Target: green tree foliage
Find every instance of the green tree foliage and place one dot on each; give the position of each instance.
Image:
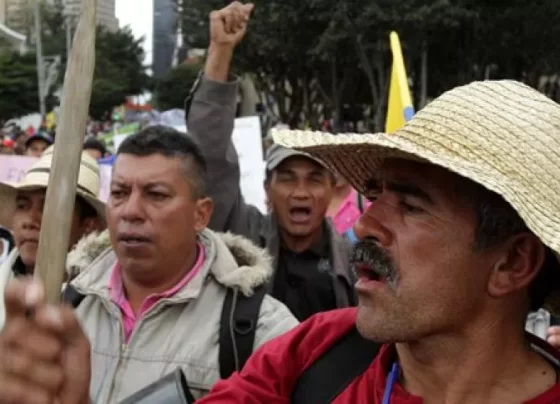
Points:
(18, 85)
(315, 59)
(119, 70)
(172, 89)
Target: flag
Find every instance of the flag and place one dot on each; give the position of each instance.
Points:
(400, 109)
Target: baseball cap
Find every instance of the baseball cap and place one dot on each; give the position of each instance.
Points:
(39, 136)
(276, 154)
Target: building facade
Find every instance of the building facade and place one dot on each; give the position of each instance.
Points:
(106, 14)
(165, 36)
(18, 15)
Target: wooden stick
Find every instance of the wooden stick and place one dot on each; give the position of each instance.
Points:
(61, 191)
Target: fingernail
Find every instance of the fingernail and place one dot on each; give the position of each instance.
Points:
(53, 314)
(33, 294)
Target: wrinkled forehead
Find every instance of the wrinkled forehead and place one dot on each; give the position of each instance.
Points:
(437, 181)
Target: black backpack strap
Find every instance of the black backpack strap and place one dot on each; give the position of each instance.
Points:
(238, 326)
(360, 202)
(72, 296)
(329, 375)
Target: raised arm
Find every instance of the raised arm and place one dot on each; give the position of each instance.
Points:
(210, 118)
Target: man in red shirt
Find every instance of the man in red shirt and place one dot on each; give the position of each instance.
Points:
(461, 241)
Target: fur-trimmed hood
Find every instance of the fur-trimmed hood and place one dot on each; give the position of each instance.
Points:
(254, 265)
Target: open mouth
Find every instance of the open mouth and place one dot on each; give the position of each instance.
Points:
(300, 214)
(134, 240)
(366, 273)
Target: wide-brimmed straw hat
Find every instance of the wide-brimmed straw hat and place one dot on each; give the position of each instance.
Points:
(37, 177)
(503, 135)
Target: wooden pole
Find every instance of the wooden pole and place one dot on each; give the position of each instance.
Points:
(61, 190)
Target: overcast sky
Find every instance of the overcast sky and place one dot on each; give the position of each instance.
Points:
(138, 15)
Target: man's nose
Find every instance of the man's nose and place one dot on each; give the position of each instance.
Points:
(133, 209)
(301, 190)
(373, 224)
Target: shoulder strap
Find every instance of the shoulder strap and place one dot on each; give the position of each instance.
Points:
(238, 326)
(72, 296)
(360, 201)
(329, 376)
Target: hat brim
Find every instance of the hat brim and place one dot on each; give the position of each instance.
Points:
(8, 193)
(358, 157)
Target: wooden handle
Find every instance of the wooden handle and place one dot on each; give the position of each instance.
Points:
(61, 191)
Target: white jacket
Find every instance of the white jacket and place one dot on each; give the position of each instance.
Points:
(179, 331)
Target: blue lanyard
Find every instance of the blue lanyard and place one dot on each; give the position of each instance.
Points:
(391, 379)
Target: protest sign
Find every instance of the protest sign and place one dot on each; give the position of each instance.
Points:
(13, 168)
(247, 140)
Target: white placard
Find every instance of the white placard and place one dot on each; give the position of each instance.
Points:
(248, 144)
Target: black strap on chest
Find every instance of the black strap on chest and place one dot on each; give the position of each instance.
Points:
(238, 326)
(329, 375)
(71, 296)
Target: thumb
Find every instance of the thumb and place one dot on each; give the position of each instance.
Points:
(248, 8)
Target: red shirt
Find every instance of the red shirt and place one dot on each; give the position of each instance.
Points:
(270, 374)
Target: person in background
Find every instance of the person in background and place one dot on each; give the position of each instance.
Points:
(346, 206)
(8, 146)
(310, 258)
(95, 148)
(22, 210)
(20, 138)
(36, 144)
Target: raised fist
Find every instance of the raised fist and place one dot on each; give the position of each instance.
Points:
(228, 25)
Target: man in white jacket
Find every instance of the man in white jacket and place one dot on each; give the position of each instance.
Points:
(154, 302)
(21, 210)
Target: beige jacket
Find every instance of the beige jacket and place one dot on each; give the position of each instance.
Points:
(178, 331)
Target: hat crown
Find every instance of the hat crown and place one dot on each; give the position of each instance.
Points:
(89, 179)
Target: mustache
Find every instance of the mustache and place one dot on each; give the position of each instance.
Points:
(370, 254)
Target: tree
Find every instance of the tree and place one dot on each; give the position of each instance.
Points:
(18, 85)
(172, 89)
(119, 68)
(314, 59)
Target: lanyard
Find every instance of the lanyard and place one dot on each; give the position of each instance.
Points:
(391, 379)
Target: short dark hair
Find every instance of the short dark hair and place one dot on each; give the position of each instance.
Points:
(170, 142)
(95, 144)
(497, 221)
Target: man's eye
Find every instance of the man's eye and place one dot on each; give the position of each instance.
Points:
(20, 205)
(117, 193)
(408, 208)
(157, 195)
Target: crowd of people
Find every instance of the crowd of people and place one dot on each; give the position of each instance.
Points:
(390, 268)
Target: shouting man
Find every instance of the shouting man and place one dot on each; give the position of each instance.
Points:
(310, 258)
(463, 236)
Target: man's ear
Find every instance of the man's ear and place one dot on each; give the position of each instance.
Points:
(519, 261)
(203, 213)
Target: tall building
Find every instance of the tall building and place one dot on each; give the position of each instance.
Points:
(165, 36)
(2, 11)
(18, 15)
(105, 12)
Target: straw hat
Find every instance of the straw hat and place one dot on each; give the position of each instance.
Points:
(501, 134)
(37, 177)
